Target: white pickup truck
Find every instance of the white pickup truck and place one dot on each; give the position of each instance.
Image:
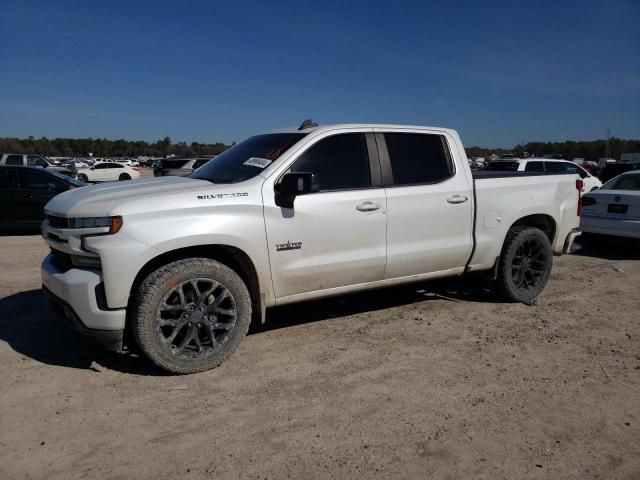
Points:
(180, 265)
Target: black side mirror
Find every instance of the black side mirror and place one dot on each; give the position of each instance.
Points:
(294, 184)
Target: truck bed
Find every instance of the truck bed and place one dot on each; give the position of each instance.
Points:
(502, 198)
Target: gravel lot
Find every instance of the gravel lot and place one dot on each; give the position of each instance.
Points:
(431, 381)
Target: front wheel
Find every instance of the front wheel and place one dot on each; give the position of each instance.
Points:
(124, 176)
(525, 264)
(83, 178)
(191, 315)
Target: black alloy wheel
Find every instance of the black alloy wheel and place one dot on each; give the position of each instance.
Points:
(195, 318)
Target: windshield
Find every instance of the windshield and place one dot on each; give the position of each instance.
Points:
(247, 159)
(627, 181)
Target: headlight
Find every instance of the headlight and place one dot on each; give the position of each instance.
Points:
(112, 223)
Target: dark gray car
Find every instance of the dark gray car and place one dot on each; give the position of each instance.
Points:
(32, 160)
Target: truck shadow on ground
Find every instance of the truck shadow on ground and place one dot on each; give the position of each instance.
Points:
(608, 248)
(453, 289)
(30, 327)
(19, 232)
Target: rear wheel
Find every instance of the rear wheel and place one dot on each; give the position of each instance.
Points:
(191, 315)
(124, 176)
(525, 264)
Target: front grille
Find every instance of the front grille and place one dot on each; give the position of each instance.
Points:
(58, 222)
(61, 260)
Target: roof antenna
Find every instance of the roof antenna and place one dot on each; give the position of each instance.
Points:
(308, 123)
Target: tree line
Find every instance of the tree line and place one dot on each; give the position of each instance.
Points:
(102, 147)
(569, 149)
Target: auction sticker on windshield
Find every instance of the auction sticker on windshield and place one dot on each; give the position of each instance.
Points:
(258, 162)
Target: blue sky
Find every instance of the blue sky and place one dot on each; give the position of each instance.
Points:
(499, 72)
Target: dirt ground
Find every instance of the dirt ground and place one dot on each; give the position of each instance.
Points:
(438, 380)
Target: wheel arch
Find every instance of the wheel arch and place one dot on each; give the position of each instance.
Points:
(233, 257)
(543, 221)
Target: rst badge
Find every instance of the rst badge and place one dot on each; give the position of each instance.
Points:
(288, 246)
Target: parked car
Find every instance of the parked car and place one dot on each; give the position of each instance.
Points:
(614, 209)
(180, 167)
(127, 162)
(107, 172)
(184, 263)
(20, 159)
(613, 169)
(546, 165)
(24, 191)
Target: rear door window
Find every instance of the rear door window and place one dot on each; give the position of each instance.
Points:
(556, 167)
(534, 167)
(418, 158)
(14, 160)
(8, 179)
(340, 162)
(35, 181)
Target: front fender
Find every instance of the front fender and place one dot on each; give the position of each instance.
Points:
(143, 239)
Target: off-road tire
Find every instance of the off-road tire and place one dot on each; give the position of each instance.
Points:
(517, 239)
(146, 305)
(124, 176)
(83, 178)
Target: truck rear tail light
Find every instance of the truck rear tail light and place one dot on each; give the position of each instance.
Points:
(588, 201)
(579, 186)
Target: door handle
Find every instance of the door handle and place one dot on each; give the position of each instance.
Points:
(457, 199)
(368, 207)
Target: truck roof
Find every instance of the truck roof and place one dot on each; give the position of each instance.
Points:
(323, 128)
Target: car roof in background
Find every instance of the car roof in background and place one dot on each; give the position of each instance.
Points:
(40, 170)
(24, 167)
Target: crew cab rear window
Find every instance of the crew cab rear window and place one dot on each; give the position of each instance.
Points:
(555, 167)
(534, 167)
(418, 158)
(8, 179)
(34, 181)
(13, 160)
(501, 166)
(339, 162)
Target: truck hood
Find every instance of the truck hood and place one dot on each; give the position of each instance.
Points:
(100, 200)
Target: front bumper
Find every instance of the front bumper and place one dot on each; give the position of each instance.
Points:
(111, 339)
(76, 292)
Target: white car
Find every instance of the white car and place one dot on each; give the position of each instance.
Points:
(107, 172)
(129, 163)
(614, 209)
(546, 165)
